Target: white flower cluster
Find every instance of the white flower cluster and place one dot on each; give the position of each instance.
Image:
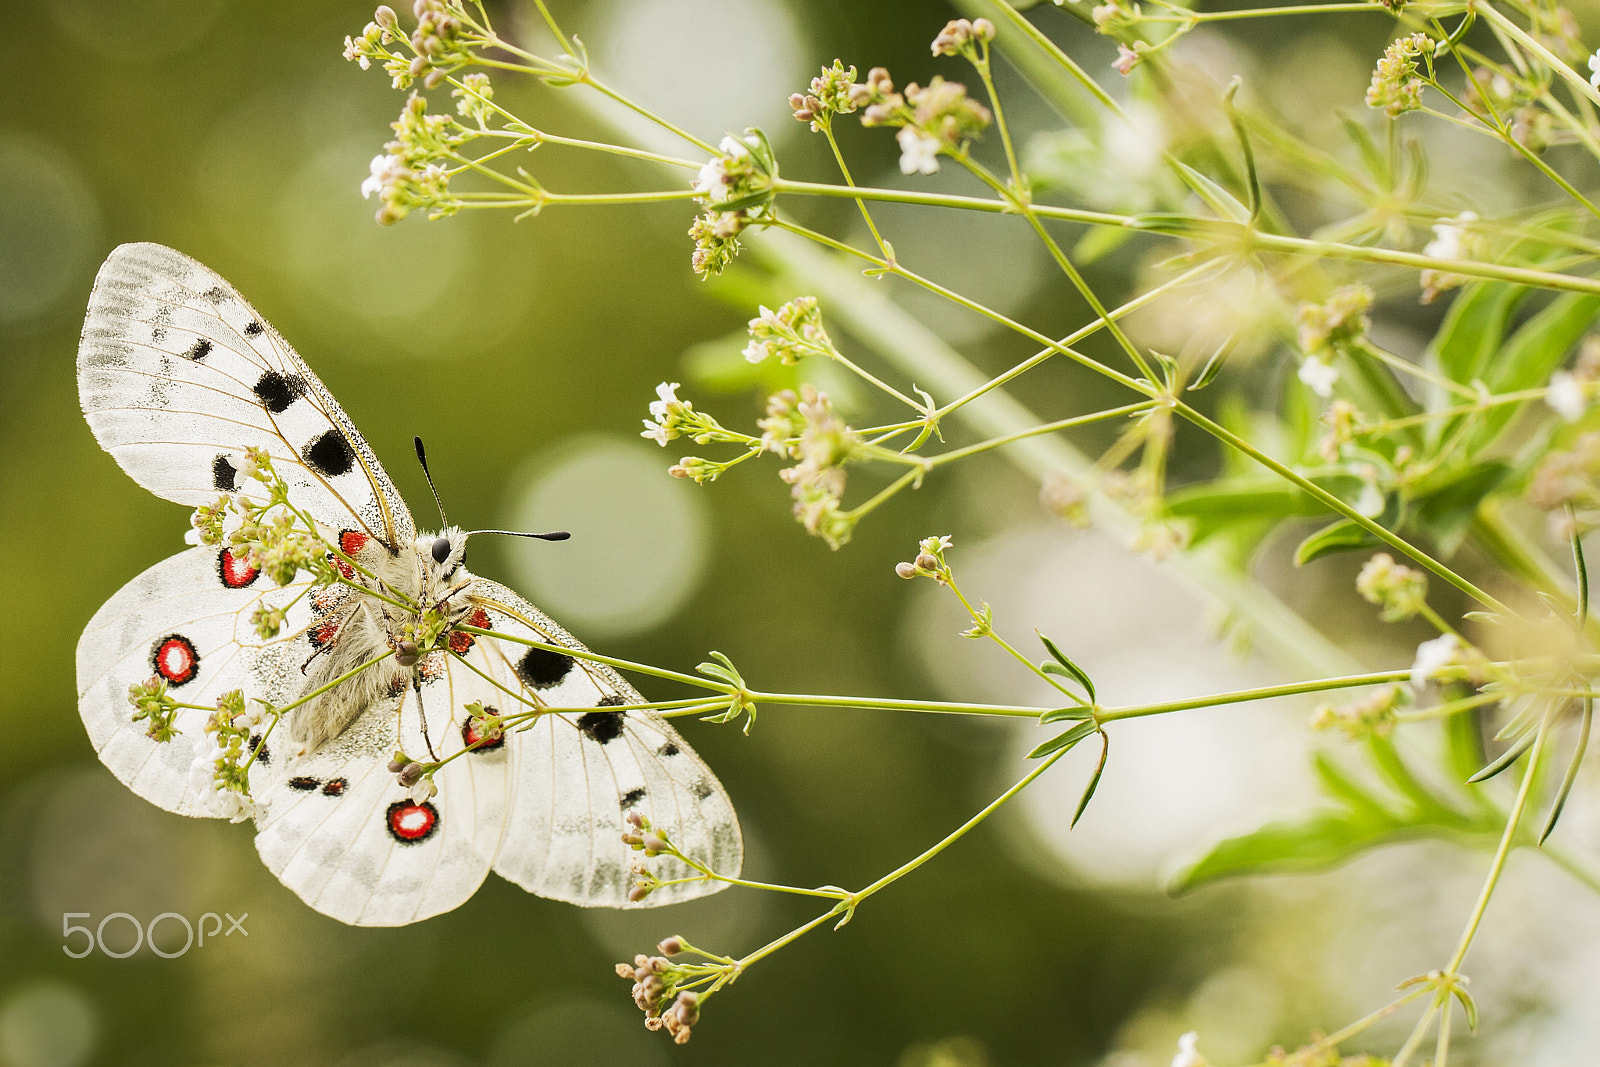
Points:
(666, 414)
(215, 755)
(719, 175)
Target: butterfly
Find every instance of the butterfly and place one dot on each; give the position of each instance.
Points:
(192, 392)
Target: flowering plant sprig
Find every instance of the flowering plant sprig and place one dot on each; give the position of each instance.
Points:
(1411, 453)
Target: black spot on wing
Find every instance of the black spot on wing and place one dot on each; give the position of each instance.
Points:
(335, 787)
(216, 294)
(223, 474)
(277, 391)
(252, 328)
(199, 350)
(611, 701)
(540, 668)
(667, 750)
(603, 727)
(701, 788)
(258, 745)
(304, 783)
(632, 797)
(329, 454)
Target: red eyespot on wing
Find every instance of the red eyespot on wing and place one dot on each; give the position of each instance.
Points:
(410, 822)
(335, 787)
(174, 658)
(460, 642)
(324, 633)
(471, 735)
(235, 572)
(343, 568)
(352, 542)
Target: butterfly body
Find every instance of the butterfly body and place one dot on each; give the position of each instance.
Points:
(183, 383)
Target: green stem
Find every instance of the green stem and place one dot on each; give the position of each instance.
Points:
(1319, 685)
(1579, 84)
(1048, 427)
(1507, 839)
(907, 868)
(1321, 494)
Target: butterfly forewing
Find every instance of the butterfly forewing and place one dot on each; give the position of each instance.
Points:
(178, 375)
(186, 619)
(576, 773)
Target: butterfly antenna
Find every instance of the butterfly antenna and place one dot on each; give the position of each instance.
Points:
(422, 458)
(554, 535)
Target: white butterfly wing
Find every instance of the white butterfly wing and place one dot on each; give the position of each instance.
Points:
(576, 773)
(187, 619)
(178, 374)
(337, 828)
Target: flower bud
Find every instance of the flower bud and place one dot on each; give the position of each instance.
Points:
(928, 561)
(638, 893)
(983, 29)
(385, 17)
(624, 971)
(906, 570)
(672, 946)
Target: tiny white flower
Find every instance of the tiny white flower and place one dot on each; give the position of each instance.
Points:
(1370, 502)
(1566, 397)
(712, 182)
(1432, 657)
(919, 152)
(1594, 67)
(1188, 1055)
(1447, 236)
(423, 790)
(661, 427)
(668, 392)
(1319, 375)
(384, 171)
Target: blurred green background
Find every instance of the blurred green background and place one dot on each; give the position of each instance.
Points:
(525, 355)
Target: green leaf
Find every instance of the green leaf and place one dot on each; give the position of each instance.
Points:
(1064, 714)
(1069, 668)
(1216, 197)
(1342, 787)
(1341, 536)
(1374, 160)
(1098, 242)
(1572, 770)
(1447, 512)
(1094, 779)
(1468, 1006)
(1309, 842)
(1066, 740)
(1532, 354)
(1506, 758)
(1219, 507)
(1473, 328)
(1429, 807)
(1465, 744)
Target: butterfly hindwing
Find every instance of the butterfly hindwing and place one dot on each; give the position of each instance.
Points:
(178, 374)
(576, 773)
(187, 620)
(336, 827)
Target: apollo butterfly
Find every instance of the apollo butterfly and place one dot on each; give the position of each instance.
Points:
(179, 379)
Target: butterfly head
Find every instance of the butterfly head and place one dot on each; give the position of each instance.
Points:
(445, 553)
